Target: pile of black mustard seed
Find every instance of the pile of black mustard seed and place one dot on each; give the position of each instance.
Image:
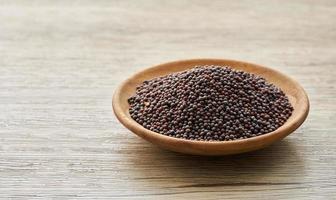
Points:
(210, 103)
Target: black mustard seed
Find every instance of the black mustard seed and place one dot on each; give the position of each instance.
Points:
(210, 103)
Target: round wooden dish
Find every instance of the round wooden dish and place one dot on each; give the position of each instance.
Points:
(293, 90)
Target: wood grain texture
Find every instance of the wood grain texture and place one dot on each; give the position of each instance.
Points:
(60, 62)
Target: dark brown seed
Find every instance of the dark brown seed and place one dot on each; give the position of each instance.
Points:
(210, 103)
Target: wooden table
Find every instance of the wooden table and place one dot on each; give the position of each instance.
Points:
(60, 62)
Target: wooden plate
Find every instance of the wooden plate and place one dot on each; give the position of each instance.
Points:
(297, 97)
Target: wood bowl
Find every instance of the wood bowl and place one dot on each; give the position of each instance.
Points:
(296, 94)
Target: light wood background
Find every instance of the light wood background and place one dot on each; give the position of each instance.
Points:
(60, 62)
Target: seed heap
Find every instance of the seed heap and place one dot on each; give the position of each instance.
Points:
(210, 103)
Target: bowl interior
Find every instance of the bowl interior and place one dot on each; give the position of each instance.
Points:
(292, 89)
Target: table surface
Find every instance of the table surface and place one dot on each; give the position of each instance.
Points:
(61, 61)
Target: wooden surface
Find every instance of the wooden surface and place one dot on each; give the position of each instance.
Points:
(60, 62)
